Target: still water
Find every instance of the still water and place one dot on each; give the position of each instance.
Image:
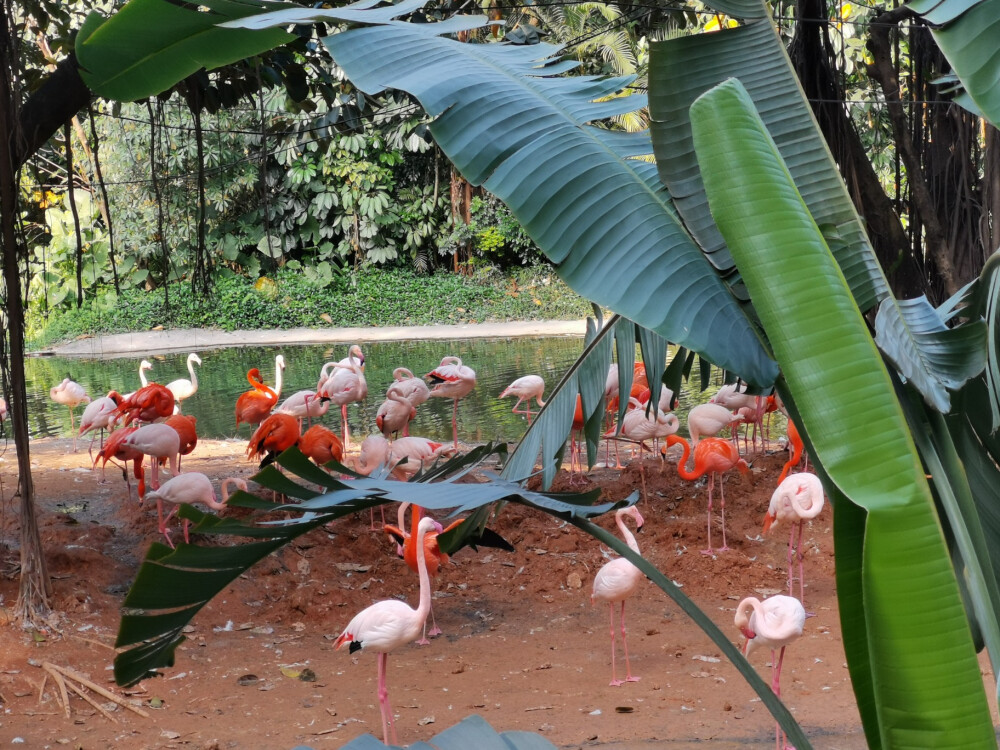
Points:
(482, 415)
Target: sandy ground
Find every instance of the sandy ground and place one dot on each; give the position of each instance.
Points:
(522, 645)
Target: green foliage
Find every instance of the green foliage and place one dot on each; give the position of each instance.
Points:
(372, 297)
(493, 235)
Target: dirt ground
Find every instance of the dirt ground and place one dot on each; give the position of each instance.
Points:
(522, 645)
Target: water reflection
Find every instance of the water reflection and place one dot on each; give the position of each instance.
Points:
(222, 378)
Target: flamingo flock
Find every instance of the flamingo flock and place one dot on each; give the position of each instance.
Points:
(147, 425)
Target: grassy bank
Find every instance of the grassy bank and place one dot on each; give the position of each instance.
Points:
(288, 300)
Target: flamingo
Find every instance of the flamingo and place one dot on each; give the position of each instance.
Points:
(376, 450)
(113, 448)
(433, 555)
(149, 403)
(636, 425)
(182, 388)
(667, 401)
(346, 385)
(304, 404)
(797, 499)
(353, 352)
(395, 413)
(254, 405)
(241, 483)
(733, 397)
(3, 410)
(615, 582)
(776, 622)
(143, 366)
(321, 445)
(712, 456)
(192, 487)
(277, 433)
(71, 394)
(525, 388)
(412, 388)
(388, 624)
(708, 420)
(156, 441)
(97, 416)
(796, 446)
(452, 379)
(186, 427)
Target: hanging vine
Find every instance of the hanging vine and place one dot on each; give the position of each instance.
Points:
(71, 194)
(104, 204)
(159, 203)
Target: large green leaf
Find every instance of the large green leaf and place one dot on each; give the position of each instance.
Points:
(925, 676)
(149, 45)
(509, 122)
(967, 33)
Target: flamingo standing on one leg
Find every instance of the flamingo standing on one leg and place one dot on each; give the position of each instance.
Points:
(525, 388)
(193, 487)
(346, 385)
(412, 388)
(452, 379)
(615, 582)
(388, 624)
(71, 394)
(395, 413)
(712, 456)
(182, 388)
(774, 623)
(799, 498)
(156, 441)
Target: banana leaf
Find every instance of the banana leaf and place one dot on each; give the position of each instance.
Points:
(926, 683)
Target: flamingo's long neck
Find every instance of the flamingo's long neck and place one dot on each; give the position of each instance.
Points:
(682, 468)
(194, 378)
(142, 376)
(627, 535)
(226, 491)
(278, 369)
(424, 606)
(401, 517)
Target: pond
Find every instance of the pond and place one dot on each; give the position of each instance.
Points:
(482, 416)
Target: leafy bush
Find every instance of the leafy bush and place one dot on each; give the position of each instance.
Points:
(371, 297)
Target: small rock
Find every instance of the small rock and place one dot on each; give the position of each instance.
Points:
(574, 581)
(248, 679)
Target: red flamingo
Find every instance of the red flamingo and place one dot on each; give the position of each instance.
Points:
(71, 394)
(773, 623)
(525, 388)
(451, 379)
(192, 487)
(712, 456)
(615, 582)
(277, 433)
(799, 498)
(182, 388)
(149, 403)
(796, 446)
(114, 447)
(156, 441)
(388, 624)
(186, 427)
(254, 405)
(322, 445)
(395, 413)
(97, 416)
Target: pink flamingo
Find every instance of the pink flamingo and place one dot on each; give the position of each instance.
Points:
(71, 394)
(412, 388)
(376, 450)
(395, 413)
(388, 624)
(452, 380)
(639, 427)
(799, 498)
(3, 410)
(733, 397)
(525, 388)
(707, 420)
(192, 487)
(304, 404)
(182, 388)
(98, 416)
(615, 582)
(773, 623)
(158, 441)
(354, 351)
(346, 385)
(712, 456)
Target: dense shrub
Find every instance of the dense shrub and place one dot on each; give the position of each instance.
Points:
(371, 297)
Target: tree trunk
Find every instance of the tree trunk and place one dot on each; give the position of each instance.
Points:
(33, 596)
